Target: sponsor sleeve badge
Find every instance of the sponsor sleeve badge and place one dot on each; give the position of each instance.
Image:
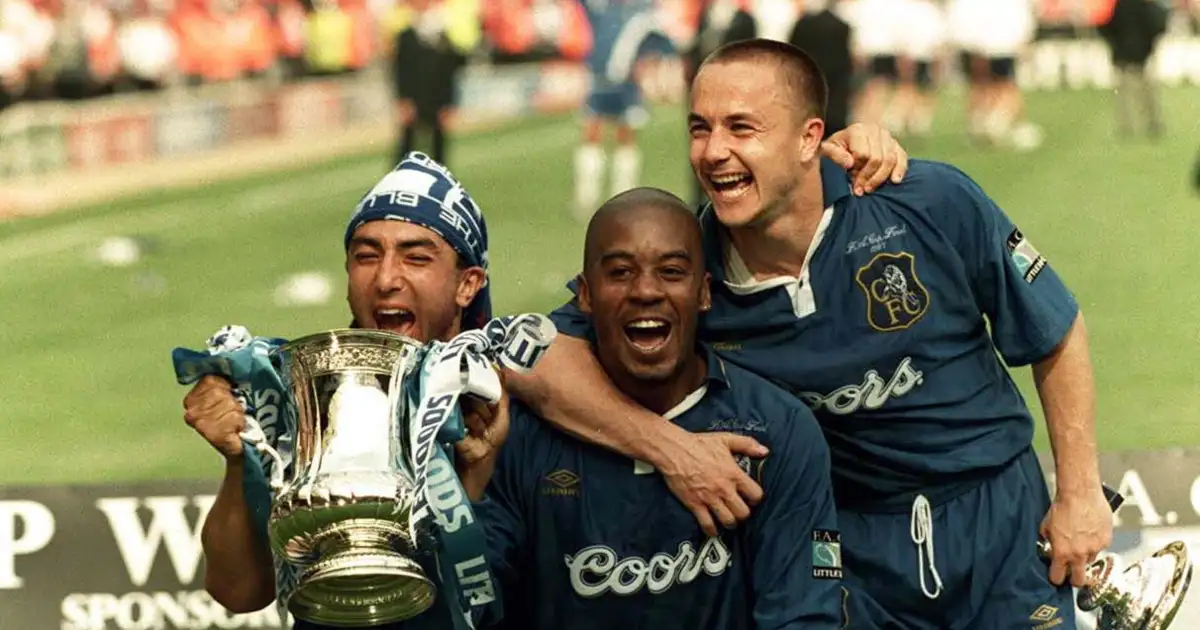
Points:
(1027, 259)
(827, 554)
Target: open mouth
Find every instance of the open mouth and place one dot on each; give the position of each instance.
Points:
(729, 186)
(397, 320)
(648, 334)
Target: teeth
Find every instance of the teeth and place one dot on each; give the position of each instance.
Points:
(727, 179)
(393, 311)
(648, 323)
(730, 195)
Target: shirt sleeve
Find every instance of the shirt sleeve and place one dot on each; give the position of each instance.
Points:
(1026, 303)
(503, 512)
(569, 320)
(792, 538)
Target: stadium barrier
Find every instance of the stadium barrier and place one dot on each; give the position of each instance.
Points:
(128, 556)
(61, 146)
(49, 137)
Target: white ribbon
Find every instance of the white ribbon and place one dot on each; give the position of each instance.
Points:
(464, 365)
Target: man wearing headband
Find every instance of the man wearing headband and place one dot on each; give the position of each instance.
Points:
(416, 265)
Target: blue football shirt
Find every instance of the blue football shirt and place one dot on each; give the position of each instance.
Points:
(622, 32)
(897, 331)
(581, 537)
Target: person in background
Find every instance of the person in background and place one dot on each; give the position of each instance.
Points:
(876, 26)
(426, 68)
(964, 28)
(1006, 29)
(254, 37)
(826, 37)
(625, 33)
(1196, 174)
(1131, 33)
(147, 49)
(329, 32)
(921, 43)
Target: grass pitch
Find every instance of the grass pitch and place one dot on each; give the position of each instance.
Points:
(87, 392)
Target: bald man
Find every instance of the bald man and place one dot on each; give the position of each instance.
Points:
(581, 537)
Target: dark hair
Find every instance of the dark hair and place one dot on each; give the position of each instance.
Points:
(799, 70)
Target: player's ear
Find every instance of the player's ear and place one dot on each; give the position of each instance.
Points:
(813, 131)
(470, 281)
(583, 299)
(706, 293)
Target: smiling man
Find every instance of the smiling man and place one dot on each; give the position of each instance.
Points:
(583, 538)
(416, 264)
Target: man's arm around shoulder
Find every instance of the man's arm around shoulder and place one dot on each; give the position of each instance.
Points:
(239, 572)
(570, 390)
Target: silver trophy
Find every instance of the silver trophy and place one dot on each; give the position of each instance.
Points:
(1146, 595)
(341, 517)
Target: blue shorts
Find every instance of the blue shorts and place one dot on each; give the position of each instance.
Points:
(621, 103)
(984, 549)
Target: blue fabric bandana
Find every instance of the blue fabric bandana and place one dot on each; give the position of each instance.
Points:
(421, 191)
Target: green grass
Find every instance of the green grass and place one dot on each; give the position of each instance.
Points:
(88, 394)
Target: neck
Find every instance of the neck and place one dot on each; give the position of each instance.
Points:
(663, 396)
(777, 246)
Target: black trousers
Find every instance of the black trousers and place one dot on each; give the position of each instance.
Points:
(437, 140)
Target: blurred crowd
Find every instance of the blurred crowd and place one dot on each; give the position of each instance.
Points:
(70, 49)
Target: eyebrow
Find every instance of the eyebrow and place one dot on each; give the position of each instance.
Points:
(679, 254)
(412, 243)
(735, 117)
(624, 255)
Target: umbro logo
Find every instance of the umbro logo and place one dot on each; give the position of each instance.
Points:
(561, 483)
(1045, 617)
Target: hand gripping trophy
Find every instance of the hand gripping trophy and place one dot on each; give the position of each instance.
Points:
(1146, 595)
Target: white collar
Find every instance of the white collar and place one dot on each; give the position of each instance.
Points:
(691, 400)
(739, 279)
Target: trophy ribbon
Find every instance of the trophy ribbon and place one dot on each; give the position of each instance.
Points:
(464, 365)
(232, 353)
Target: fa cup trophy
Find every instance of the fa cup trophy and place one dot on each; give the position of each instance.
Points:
(340, 517)
(1145, 595)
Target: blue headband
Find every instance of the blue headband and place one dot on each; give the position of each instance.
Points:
(421, 191)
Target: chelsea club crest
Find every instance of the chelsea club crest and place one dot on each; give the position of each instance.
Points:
(896, 299)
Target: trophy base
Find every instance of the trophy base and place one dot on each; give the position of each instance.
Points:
(360, 579)
(1145, 596)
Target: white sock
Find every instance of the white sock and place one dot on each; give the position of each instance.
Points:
(893, 119)
(998, 123)
(589, 177)
(921, 122)
(627, 168)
